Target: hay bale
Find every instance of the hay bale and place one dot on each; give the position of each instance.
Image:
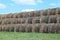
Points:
(0, 16)
(23, 20)
(0, 21)
(37, 27)
(36, 13)
(12, 21)
(44, 19)
(18, 15)
(58, 19)
(58, 28)
(53, 19)
(49, 28)
(9, 15)
(41, 28)
(6, 21)
(45, 12)
(25, 15)
(6, 28)
(52, 12)
(29, 20)
(58, 12)
(21, 15)
(53, 29)
(22, 28)
(45, 28)
(29, 28)
(0, 27)
(37, 20)
(16, 21)
(31, 14)
(16, 28)
(3, 17)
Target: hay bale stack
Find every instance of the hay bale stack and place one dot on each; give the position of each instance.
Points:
(44, 21)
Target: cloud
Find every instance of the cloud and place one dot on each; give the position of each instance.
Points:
(39, 1)
(53, 4)
(27, 2)
(27, 10)
(2, 6)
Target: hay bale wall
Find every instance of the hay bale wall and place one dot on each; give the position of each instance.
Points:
(44, 21)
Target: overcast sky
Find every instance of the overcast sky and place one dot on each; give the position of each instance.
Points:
(10, 6)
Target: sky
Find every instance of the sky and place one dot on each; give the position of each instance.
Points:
(12, 6)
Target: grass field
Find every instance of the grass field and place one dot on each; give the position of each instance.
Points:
(28, 36)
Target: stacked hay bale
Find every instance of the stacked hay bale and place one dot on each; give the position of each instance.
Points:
(44, 21)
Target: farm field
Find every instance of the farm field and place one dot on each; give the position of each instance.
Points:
(28, 36)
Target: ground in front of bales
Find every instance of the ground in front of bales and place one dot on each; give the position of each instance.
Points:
(28, 36)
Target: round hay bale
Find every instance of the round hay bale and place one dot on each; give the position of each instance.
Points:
(18, 21)
(8, 16)
(6, 21)
(44, 19)
(29, 28)
(37, 20)
(36, 13)
(16, 28)
(25, 15)
(49, 28)
(23, 20)
(58, 28)
(53, 29)
(58, 12)
(29, 20)
(59, 19)
(41, 28)
(22, 28)
(45, 28)
(0, 27)
(6, 28)
(53, 19)
(37, 27)
(31, 14)
(45, 12)
(52, 12)
(0, 21)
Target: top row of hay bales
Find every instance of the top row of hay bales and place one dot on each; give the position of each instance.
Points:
(32, 14)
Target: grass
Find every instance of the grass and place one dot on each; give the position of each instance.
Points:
(28, 36)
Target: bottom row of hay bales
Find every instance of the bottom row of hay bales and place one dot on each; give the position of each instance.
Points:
(43, 28)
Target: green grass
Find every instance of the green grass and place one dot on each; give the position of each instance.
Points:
(28, 36)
